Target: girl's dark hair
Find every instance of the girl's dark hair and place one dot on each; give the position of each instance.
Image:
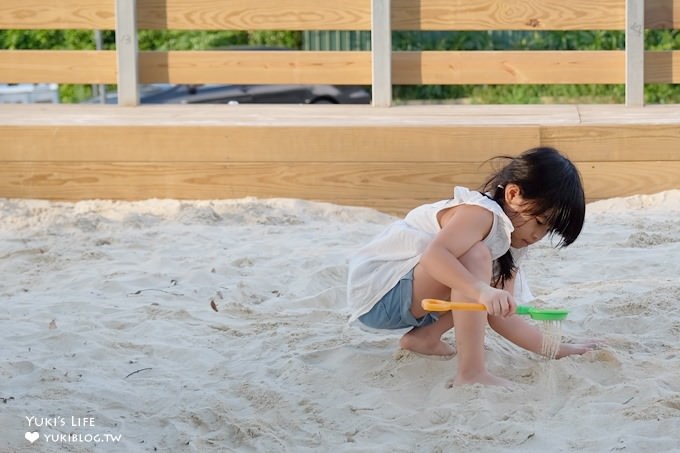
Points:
(551, 185)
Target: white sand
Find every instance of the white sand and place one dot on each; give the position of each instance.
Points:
(106, 317)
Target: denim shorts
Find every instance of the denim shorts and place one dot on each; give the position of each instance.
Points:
(393, 311)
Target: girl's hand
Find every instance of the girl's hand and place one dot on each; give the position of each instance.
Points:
(498, 302)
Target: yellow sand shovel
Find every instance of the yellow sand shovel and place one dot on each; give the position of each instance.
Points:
(541, 314)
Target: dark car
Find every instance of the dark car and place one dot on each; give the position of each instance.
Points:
(247, 94)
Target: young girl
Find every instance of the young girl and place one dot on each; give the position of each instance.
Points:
(469, 248)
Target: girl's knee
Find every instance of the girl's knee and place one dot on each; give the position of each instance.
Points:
(479, 254)
(478, 261)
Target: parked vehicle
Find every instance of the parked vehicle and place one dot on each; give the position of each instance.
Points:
(29, 93)
(247, 94)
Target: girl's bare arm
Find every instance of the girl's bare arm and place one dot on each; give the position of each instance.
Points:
(462, 227)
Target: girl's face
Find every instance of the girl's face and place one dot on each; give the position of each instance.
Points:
(529, 228)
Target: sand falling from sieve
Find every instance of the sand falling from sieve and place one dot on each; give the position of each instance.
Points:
(552, 338)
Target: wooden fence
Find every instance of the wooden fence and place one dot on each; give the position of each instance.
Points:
(390, 158)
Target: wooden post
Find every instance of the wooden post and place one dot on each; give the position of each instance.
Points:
(635, 53)
(126, 52)
(99, 89)
(381, 53)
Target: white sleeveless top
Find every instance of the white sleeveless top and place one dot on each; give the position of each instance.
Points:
(378, 266)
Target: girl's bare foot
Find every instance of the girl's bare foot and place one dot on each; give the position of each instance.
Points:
(426, 346)
(484, 378)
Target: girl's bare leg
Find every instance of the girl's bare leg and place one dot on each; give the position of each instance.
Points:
(471, 327)
(427, 340)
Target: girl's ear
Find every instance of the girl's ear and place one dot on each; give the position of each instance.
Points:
(513, 194)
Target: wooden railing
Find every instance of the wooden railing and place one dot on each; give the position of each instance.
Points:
(381, 67)
(391, 158)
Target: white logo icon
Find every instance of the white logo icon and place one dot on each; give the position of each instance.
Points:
(32, 436)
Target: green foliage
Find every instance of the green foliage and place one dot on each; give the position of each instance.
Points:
(539, 94)
(189, 40)
(51, 39)
(662, 94)
(207, 40)
(662, 39)
(509, 40)
(291, 40)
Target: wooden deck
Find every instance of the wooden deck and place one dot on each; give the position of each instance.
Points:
(388, 158)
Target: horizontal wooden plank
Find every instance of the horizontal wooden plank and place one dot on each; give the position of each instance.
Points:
(58, 66)
(261, 144)
(615, 142)
(662, 14)
(189, 180)
(58, 15)
(312, 116)
(507, 67)
(254, 15)
(662, 67)
(333, 15)
(347, 183)
(340, 68)
(621, 179)
(358, 116)
(332, 144)
(354, 68)
(406, 15)
(624, 116)
(508, 15)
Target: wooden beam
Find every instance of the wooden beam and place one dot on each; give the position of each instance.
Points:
(662, 67)
(381, 53)
(627, 142)
(461, 15)
(662, 14)
(296, 144)
(332, 15)
(58, 66)
(253, 67)
(87, 66)
(622, 179)
(273, 143)
(507, 67)
(57, 15)
(126, 52)
(255, 14)
(635, 53)
(380, 184)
